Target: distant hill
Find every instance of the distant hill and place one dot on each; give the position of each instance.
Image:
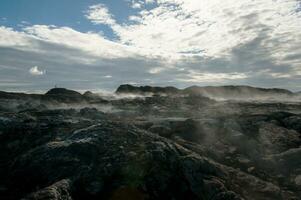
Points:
(220, 92)
(55, 94)
(146, 89)
(14, 95)
(239, 92)
(214, 92)
(63, 91)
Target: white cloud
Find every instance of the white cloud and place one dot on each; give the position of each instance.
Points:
(196, 77)
(177, 30)
(91, 46)
(213, 28)
(25, 22)
(92, 43)
(35, 71)
(156, 70)
(136, 5)
(9, 37)
(149, 1)
(135, 18)
(192, 41)
(99, 14)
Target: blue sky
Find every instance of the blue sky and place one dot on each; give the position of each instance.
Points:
(97, 45)
(59, 13)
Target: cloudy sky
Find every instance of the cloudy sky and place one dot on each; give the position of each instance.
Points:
(100, 44)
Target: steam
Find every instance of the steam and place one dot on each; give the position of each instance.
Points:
(113, 96)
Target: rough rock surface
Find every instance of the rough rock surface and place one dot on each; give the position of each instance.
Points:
(158, 147)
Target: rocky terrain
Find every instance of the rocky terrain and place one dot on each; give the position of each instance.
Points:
(151, 143)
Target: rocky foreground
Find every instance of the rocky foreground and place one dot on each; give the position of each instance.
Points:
(164, 144)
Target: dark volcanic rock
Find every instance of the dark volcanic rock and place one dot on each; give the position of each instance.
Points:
(94, 98)
(63, 91)
(115, 160)
(220, 92)
(65, 145)
(21, 96)
(63, 95)
(88, 93)
(293, 122)
(129, 89)
(58, 191)
(237, 91)
(102, 160)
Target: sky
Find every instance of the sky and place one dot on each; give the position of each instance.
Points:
(99, 44)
